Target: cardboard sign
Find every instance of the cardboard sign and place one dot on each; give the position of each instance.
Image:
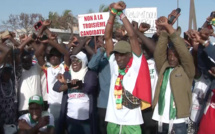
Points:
(92, 24)
(147, 15)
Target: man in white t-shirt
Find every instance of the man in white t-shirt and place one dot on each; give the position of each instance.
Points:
(36, 121)
(126, 64)
(29, 82)
(57, 66)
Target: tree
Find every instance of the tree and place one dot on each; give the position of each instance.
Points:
(65, 21)
(62, 21)
(103, 8)
(22, 21)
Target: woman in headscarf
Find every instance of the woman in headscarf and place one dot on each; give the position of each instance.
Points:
(79, 85)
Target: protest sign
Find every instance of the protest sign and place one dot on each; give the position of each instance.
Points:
(147, 15)
(92, 24)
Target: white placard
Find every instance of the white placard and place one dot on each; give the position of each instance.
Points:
(92, 24)
(147, 15)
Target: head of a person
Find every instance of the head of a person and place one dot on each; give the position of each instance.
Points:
(26, 59)
(79, 61)
(6, 74)
(35, 107)
(55, 57)
(172, 55)
(122, 52)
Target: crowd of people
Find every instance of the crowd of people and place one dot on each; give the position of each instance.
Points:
(121, 83)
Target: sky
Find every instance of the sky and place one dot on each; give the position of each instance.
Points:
(164, 7)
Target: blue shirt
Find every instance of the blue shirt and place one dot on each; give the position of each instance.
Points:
(100, 64)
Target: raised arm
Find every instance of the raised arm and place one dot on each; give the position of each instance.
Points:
(62, 50)
(109, 30)
(4, 50)
(79, 47)
(160, 55)
(208, 20)
(184, 55)
(89, 50)
(26, 41)
(148, 43)
(40, 53)
(132, 36)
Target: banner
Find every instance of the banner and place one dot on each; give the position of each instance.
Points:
(92, 24)
(147, 15)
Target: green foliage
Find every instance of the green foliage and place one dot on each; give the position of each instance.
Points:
(62, 21)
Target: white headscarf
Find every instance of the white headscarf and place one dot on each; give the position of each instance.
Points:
(81, 73)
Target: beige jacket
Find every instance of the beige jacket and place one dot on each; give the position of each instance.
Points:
(181, 77)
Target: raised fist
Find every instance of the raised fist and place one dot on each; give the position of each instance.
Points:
(119, 6)
(135, 25)
(144, 27)
(47, 22)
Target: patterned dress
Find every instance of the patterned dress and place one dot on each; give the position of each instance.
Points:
(8, 112)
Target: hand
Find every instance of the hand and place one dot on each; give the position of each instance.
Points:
(162, 21)
(160, 28)
(100, 42)
(193, 37)
(174, 13)
(213, 74)
(204, 33)
(209, 19)
(212, 71)
(23, 124)
(33, 37)
(119, 6)
(13, 35)
(144, 27)
(52, 36)
(71, 44)
(43, 121)
(61, 78)
(212, 15)
(47, 23)
(23, 38)
(88, 39)
(73, 82)
(187, 43)
(74, 39)
(135, 25)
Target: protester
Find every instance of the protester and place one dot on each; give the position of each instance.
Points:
(112, 93)
(124, 109)
(77, 103)
(99, 63)
(175, 69)
(8, 105)
(36, 121)
(54, 58)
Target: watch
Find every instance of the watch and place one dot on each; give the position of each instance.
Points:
(205, 42)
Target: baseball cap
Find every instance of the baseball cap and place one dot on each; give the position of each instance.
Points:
(122, 47)
(36, 99)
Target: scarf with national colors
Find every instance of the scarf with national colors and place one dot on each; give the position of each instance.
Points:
(161, 102)
(118, 89)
